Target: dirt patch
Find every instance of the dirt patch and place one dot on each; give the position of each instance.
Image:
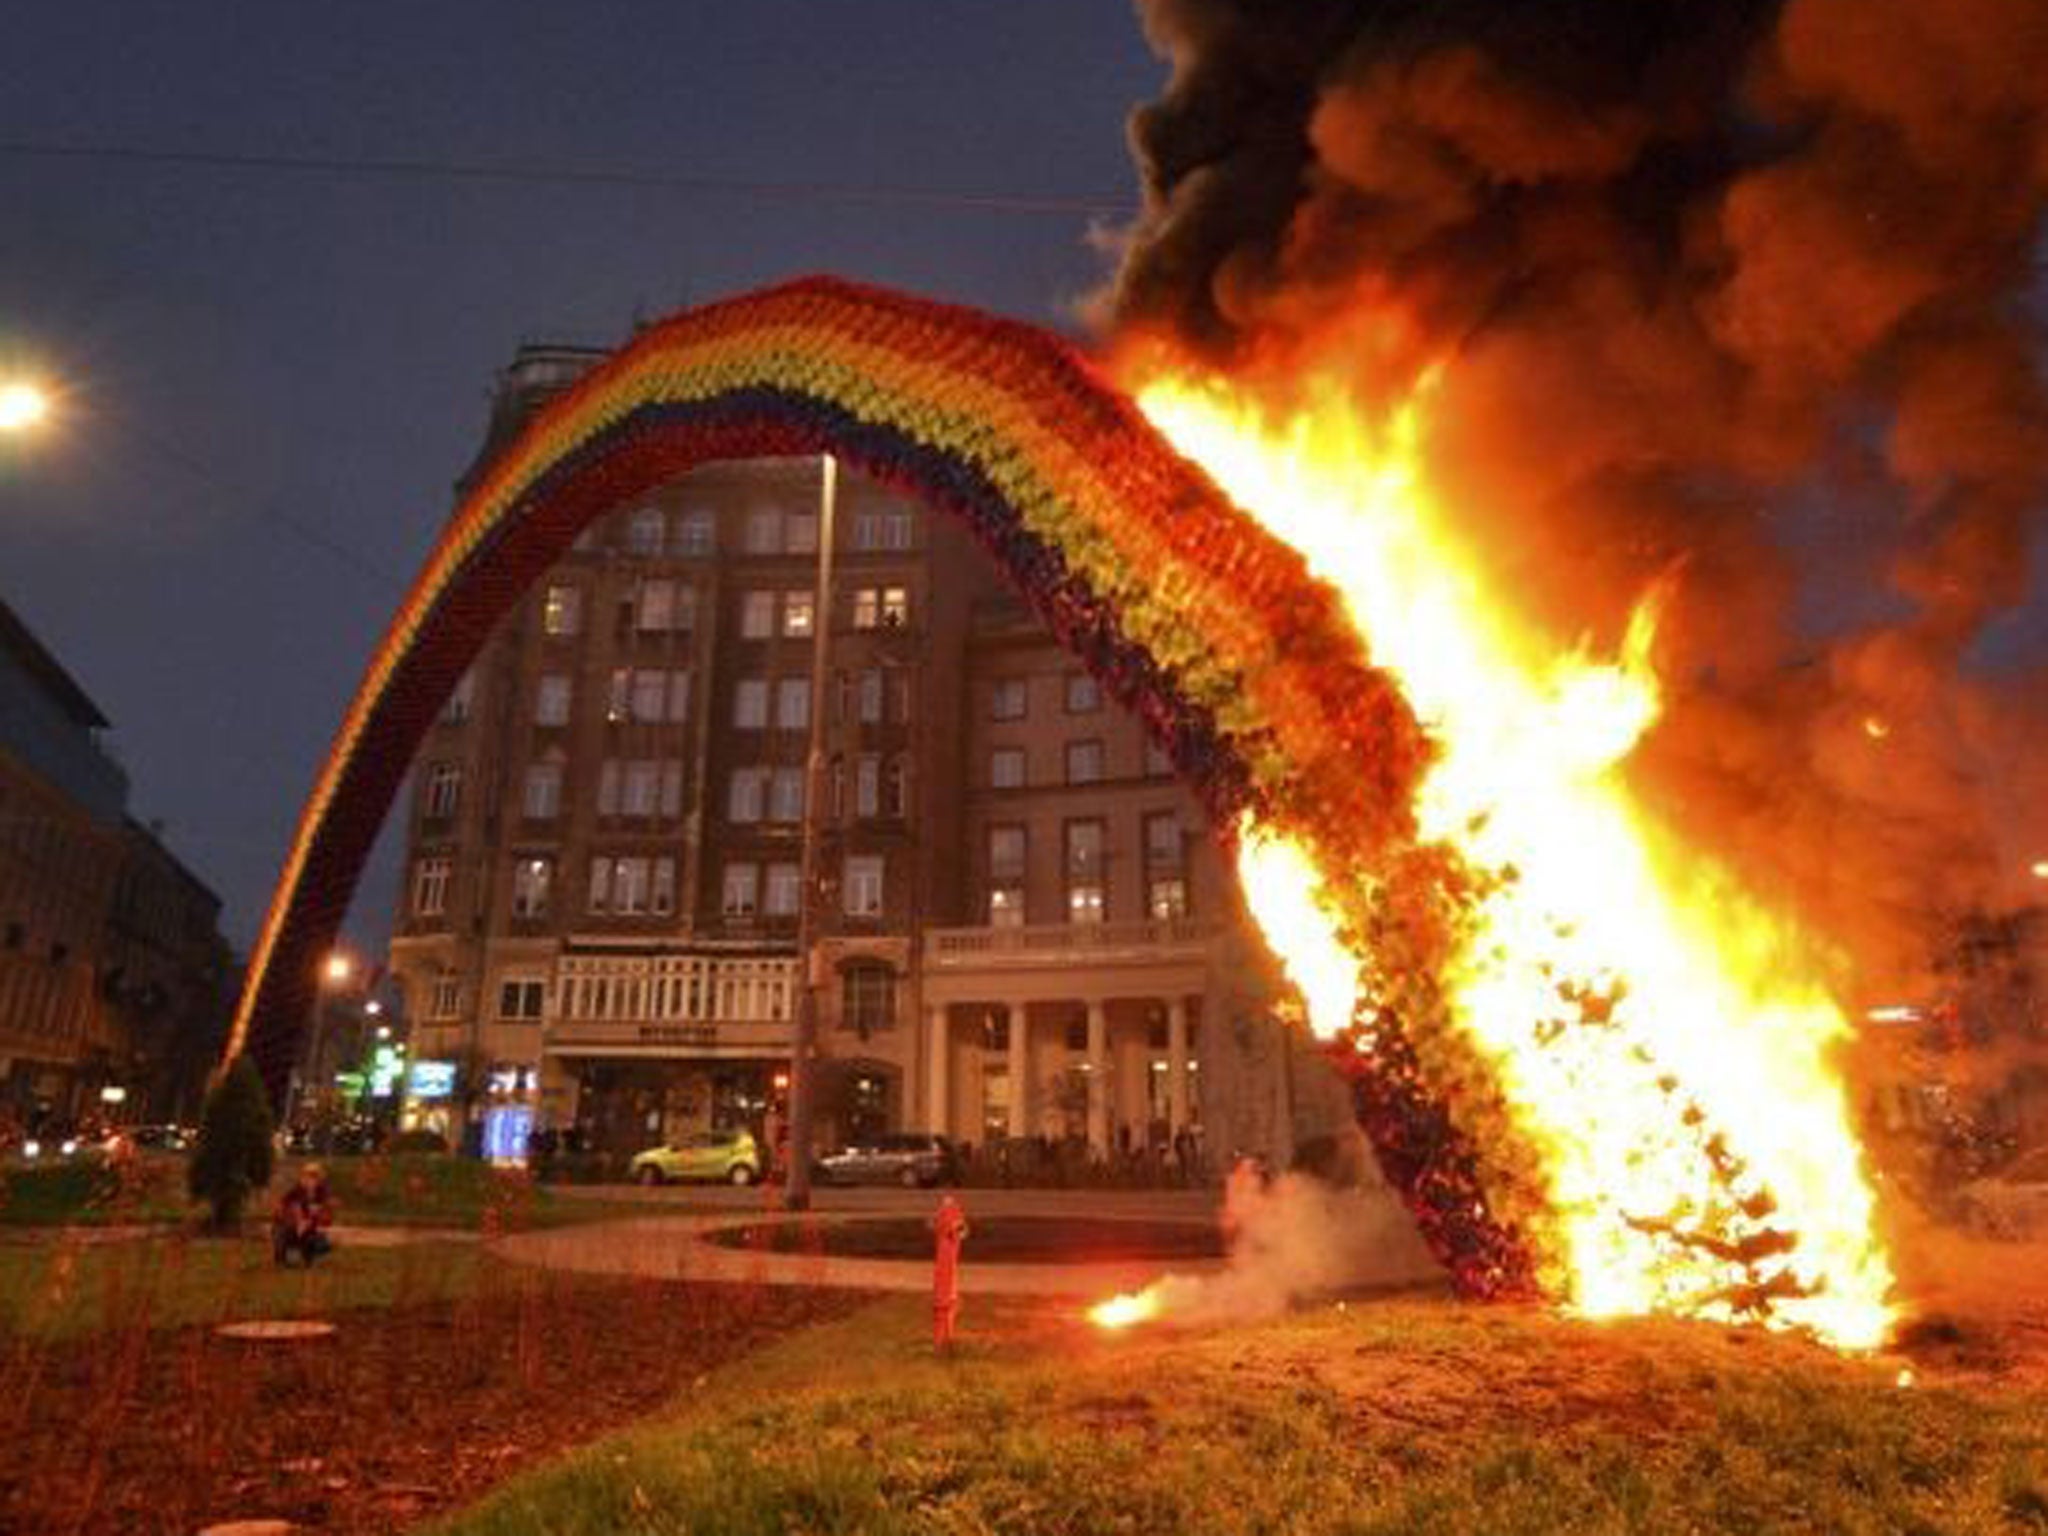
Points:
(398, 1415)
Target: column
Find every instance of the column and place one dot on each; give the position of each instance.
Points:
(1098, 1077)
(1177, 1064)
(1020, 1059)
(938, 1069)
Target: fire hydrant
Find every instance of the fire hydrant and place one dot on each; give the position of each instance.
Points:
(949, 1231)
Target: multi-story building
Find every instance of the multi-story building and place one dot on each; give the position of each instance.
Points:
(1018, 907)
(114, 979)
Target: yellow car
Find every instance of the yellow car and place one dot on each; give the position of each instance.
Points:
(724, 1157)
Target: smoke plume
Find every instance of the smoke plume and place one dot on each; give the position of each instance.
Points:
(1746, 292)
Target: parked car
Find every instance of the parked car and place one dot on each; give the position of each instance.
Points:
(913, 1159)
(2012, 1202)
(162, 1138)
(726, 1157)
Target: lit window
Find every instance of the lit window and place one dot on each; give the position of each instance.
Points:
(793, 703)
(551, 699)
(742, 889)
(444, 790)
(785, 882)
(531, 881)
(798, 613)
(786, 795)
(541, 799)
(745, 794)
(644, 531)
(1084, 697)
(1086, 898)
(522, 998)
(618, 706)
(650, 696)
(1084, 762)
(895, 607)
(764, 531)
(697, 533)
(562, 614)
(1006, 768)
(750, 704)
(867, 608)
(1167, 899)
(430, 887)
(1008, 699)
(1084, 903)
(757, 615)
(1006, 906)
(862, 885)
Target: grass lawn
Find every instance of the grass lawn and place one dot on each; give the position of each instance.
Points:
(1384, 1417)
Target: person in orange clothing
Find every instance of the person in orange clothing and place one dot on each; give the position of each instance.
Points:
(949, 1231)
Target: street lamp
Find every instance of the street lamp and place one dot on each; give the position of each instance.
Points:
(338, 969)
(23, 406)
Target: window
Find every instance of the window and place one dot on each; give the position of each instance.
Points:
(656, 609)
(800, 533)
(883, 528)
(895, 607)
(1006, 851)
(895, 788)
(430, 887)
(444, 790)
(764, 531)
(678, 695)
(757, 615)
(1084, 695)
(542, 796)
(1008, 699)
(742, 889)
(521, 997)
(793, 704)
(867, 998)
(1158, 763)
(600, 883)
(1086, 896)
(650, 696)
(531, 881)
(697, 533)
(644, 531)
(662, 898)
(446, 1000)
(562, 613)
(750, 704)
(608, 787)
(862, 885)
(629, 886)
(1166, 898)
(798, 613)
(786, 795)
(745, 794)
(642, 788)
(871, 697)
(1006, 768)
(785, 883)
(672, 788)
(1006, 906)
(551, 699)
(456, 710)
(867, 608)
(1163, 845)
(1084, 762)
(618, 705)
(867, 787)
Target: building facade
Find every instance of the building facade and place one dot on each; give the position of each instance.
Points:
(114, 980)
(1018, 910)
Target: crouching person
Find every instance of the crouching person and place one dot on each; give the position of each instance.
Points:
(303, 1217)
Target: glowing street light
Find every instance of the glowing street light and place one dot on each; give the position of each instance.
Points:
(22, 406)
(2040, 869)
(338, 969)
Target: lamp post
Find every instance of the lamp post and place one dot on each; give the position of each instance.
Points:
(23, 406)
(804, 1046)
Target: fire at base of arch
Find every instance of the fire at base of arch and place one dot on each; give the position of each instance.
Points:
(1639, 1055)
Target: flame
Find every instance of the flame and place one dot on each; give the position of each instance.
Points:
(1702, 1103)
(1127, 1310)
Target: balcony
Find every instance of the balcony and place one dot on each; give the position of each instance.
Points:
(671, 1005)
(1061, 945)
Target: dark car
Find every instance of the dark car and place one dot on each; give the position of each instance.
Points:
(913, 1159)
(162, 1138)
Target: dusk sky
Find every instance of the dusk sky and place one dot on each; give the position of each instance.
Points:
(271, 375)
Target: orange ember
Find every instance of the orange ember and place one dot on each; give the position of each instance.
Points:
(1662, 1042)
(1125, 1311)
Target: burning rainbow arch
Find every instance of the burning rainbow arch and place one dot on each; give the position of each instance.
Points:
(1213, 630)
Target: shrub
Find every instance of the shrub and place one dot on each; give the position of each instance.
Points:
(234, 1153)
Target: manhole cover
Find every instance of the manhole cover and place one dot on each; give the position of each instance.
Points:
(273, 1330)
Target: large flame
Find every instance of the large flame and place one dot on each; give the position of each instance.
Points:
(1700, 1127)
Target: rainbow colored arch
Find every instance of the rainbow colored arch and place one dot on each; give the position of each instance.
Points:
(1191, 613)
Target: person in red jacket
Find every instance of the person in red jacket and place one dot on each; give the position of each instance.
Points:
(949, 1231)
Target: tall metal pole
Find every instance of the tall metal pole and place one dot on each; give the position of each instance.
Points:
(804, 1048)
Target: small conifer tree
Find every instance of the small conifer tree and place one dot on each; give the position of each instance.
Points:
(233, 1158)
